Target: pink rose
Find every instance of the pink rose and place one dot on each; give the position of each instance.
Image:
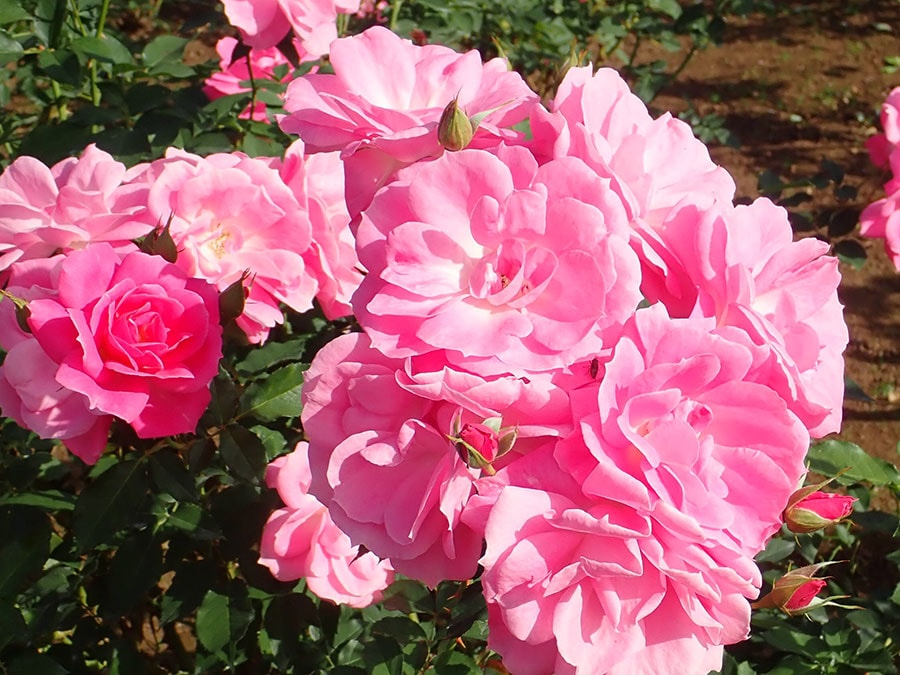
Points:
(652, 163)
(382, 105)
(882, 146)
(639, 530)
(73, 203)
(741, 266)
(381, 453)
(301, 541)
(259, 64)
(123, 335)
(507, 266)
(795, 592)
(232, 214)
(318, 180)
(263, 23)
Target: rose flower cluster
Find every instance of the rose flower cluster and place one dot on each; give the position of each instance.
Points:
(881, 219)
(583, 376)
(583, 373)
(96, 326)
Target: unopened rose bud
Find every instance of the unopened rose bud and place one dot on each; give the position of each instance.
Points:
(809, 509)
(159, 242)
(455, 130)
(231, 300)
(796, 592)
(481, 439)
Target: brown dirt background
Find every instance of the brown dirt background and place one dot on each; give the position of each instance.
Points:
(796, 88)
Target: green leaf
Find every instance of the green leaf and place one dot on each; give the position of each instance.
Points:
(11, 12)
(243, 452)
(830, 457)
(851, 252)
(271, 354)
(777, 549)
(164, 48)
(50, 500)
(222, 619)
(12, 625)
(10, 49)
(194, 521)
(172, 477)
(277, 395)
(274, 442)
(135, 568)
(104, 48)
(110, 503)
(25, 537)
(193, 579)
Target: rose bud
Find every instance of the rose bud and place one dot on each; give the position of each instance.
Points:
(795, 593)
(809, 509)
(455, 129)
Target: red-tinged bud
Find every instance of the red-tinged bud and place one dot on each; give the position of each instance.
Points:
(796, 592)
(482, 439)
(809, 509)
(455, 130)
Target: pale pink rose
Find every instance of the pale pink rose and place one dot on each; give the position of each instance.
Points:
(881, 219)
(112, 334)
(653, 163)
(883, 145)
(382, 105)
(741, 266)
(331, 257)
(381, 453)
(263, 23)
(507, 266)
(635, 539)
(301, 541)
(77, 201)
(230, 215)
(259, 64)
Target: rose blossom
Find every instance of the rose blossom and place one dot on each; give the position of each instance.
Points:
(232, 214)
(318, 184)
(641, 530)
(652, 163)
(881, 219)
(882, 146)
(381, 453)
(741, 266)
(112, 334)
(507, 266)
(382, 105)
(74, 202)
(301, 541)
(263, 23)
(259, 64)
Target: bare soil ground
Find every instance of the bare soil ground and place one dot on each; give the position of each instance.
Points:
(797, 88)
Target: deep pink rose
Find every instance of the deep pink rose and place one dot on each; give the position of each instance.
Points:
(382, 105)
(652, 163)
(382, 457)
(232, 214)
(301, 541)
(741, 266)
(261, 64)
(76, 201)
(123, 335)
(507, 266)
(263, 23)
